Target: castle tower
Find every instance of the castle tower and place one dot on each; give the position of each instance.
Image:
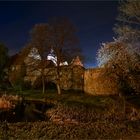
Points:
(51, 56)
(76, 62)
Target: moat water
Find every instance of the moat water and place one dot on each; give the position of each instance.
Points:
(28, 111)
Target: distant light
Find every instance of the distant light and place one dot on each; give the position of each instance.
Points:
(64, 63)
(51, 56)
(34, 54)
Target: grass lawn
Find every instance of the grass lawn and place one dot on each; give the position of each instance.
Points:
(68, 97)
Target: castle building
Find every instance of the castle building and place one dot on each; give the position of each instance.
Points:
(72, 76)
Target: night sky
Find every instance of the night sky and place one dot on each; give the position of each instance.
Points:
(93, 19)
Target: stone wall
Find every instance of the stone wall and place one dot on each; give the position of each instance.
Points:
(96, 83)
(91, 81)
(71, 77)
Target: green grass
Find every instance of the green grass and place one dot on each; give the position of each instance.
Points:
(70, 97)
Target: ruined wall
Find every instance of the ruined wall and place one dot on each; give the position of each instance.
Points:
(96, 83)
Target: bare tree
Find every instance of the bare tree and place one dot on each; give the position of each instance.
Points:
(60, 36)
(64, 41)
(123, 60)
(128, 26)
(37, 50)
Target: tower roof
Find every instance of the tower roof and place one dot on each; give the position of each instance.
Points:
(77, 61)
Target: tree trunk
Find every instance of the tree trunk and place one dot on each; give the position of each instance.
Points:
(58, 83)
(123, 106)
(58, 89)
(58, 78)
(43, 82)
(43, 86)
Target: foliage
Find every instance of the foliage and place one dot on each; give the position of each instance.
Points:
(123, 60)
(16, 77)
(3, 59)
(122, 56)
(3, 67)
(128, 26)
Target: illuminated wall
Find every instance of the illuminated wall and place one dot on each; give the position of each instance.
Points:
(96, 83)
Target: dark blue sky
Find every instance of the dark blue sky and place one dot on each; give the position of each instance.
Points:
(94, 20)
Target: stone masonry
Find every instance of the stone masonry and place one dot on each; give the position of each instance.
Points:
(73, 76)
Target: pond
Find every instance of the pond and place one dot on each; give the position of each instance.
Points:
(25, 110)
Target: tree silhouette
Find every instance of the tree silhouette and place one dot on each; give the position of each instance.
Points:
(128, 26)
(3, 61)
(63, 42)
(121, 60)
(59, 35)
(37, 49)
